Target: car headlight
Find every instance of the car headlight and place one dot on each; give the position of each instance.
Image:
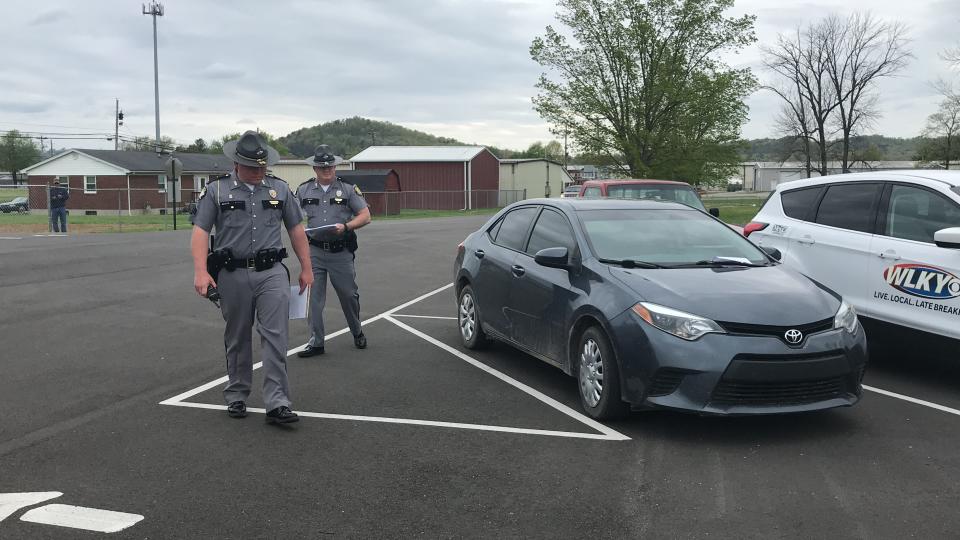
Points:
(681, 324)
(846, 318)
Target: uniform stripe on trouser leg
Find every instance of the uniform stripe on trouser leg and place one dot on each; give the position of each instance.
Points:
(272, 294)
(236, 301)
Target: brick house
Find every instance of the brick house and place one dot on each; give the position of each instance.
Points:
(112, 181)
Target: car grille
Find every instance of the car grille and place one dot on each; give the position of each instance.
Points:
(776, 331)
(789, 393)
(666, 381)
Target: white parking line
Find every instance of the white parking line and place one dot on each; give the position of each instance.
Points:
(605, 433)
(432, 423)
(424, 317)
(11, 238)
(78, 517)
(175, 400)
(610, 434)
(913, 400)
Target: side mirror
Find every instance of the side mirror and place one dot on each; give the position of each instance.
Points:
(715, 212)
(773, 252)
(948, 238)
(555, 257)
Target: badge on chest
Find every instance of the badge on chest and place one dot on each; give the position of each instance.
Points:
(232, 205)
(272, 203)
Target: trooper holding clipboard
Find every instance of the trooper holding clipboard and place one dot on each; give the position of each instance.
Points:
(335, 210)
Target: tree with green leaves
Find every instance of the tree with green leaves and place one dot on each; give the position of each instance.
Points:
(640, 82)
(943, 127)
(216, 146)
(17, 152)
(143, 143)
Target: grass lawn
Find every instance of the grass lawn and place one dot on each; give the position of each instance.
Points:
(32, 223)
(413, 214)
(7, 194)
(738, 211)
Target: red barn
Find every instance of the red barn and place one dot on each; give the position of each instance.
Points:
(379, 187)
(438, 177)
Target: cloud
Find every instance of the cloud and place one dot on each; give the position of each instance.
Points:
(48, 17)
(26, 107)
(221, 71)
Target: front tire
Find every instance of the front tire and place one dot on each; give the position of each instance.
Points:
(598, 376)
(468, 317)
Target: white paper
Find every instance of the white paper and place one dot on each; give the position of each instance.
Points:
(320, 228)
(298, 302)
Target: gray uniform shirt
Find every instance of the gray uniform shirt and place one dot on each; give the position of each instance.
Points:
(245, 220)
(337, 205)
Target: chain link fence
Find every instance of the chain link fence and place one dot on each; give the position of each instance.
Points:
(27, 209)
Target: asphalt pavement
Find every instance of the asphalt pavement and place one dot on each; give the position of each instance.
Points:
(109, 398)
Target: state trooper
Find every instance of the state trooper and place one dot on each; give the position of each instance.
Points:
(335, 210)
(248, 208)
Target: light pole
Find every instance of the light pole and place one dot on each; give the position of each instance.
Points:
(156, 10)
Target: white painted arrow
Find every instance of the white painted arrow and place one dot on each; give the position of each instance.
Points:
(78, 517)
(11, 502)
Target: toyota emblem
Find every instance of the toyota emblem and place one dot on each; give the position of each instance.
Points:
(793, 336)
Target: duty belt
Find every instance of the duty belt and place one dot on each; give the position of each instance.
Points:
(268, 258)
(333, 247)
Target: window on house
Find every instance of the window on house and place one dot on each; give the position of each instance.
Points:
(89, 184)
(162, 183)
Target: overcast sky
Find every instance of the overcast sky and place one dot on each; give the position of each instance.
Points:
(457, 68)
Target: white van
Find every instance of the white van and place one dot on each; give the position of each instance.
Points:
(889, 242)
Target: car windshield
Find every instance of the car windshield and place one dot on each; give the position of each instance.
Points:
(656, 192)
(20, 200)
(667, 237)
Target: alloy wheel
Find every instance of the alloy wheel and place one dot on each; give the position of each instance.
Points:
(468, 317)
(591, 373)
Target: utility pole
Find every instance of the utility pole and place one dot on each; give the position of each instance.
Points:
(117, 122)
(156, 10)
(374, 135)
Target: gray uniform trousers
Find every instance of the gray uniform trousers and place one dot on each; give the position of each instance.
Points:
(343, 276)
(244, 293)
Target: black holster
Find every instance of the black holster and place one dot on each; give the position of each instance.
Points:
(218, 260)
(350, 241)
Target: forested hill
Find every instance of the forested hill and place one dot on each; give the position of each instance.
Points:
(869, 147)
(349, 136)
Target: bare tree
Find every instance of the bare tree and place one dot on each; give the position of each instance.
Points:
(952, 56)
(945, 125)
(802, 60)
(860, 50)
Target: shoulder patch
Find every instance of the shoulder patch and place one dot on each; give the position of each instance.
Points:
(203, 192)
(357, 189)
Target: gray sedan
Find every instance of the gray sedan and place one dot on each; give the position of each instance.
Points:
(657, 305)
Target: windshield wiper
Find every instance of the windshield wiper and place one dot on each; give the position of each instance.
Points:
(726, 262)
(630, 263)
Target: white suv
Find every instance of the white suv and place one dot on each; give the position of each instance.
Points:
(889, 242)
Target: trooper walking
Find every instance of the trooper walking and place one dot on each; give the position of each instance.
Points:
(335, 210)
(248, 208)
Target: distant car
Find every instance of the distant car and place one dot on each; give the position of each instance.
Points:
(657, 190)
(570, 191)
(889, 242)
(18, 204)
(656, 305)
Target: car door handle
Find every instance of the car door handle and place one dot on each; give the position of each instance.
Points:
(889, 255)
(479, 253)
(518, 270)
(808, 240)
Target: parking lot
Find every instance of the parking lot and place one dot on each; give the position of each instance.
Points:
(111, 397)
